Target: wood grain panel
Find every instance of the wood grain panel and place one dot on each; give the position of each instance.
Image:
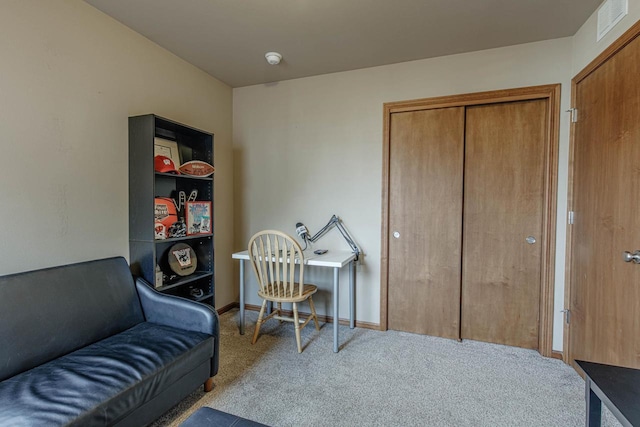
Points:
(605, 295)
(425, 207)
(503, 205)
(551, 95)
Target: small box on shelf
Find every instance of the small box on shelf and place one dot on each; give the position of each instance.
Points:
(158, 283)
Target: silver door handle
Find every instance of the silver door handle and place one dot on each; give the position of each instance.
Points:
(396, 234)
(628, 256)
(530, 240)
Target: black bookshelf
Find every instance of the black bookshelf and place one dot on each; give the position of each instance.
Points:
(145, 251)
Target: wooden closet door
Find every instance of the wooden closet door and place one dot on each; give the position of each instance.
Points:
(503, 206)
(605, 291)
(425, 219)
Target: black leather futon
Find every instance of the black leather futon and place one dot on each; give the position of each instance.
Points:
(84, 344)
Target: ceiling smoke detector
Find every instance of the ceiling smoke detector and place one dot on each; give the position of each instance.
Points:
(273, 58)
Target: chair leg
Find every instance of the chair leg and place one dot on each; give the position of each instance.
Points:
(208, 385)
(280, 311)
(255, 333)
(297, 324)
(313, 312)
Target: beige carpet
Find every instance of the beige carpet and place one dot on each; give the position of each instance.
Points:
(384, 379)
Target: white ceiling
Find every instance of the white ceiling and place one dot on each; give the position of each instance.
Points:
(228, 38)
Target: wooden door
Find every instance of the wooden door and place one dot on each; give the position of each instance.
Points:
(503, 206)
(605, 291)
(425, 210)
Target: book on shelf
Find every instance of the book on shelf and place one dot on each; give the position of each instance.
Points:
(198, 218)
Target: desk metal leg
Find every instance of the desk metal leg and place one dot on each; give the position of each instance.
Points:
(352, 295)
(594, 406)
(336, 312)
(241, 297)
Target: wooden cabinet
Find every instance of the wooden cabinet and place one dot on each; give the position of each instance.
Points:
(426, 173)
(503, 222)
(468, 189)
(604, 296)
(148, 254)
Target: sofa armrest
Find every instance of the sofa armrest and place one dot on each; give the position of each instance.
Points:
(180, 313)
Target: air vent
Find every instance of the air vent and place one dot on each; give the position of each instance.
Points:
(609, 14)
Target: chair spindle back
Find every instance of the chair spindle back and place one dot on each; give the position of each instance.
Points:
(274, 255)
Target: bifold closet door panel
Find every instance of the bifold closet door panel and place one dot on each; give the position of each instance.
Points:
(503, 214)
(425, 221)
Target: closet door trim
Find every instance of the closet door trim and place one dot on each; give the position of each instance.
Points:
(551, 93)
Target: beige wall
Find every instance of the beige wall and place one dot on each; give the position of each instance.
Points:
(308, 148)
(319, 140)
(70, 77)
(303, 149)
(585, 48)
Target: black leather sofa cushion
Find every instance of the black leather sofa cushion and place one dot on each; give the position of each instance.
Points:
(49, 313)
(102, 383)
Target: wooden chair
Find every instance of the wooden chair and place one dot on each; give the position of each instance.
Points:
(274, 256)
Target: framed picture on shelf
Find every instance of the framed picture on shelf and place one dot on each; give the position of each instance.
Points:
(198, 218)
(164, 147)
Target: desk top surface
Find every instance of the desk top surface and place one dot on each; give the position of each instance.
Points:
(621, 387)
(331, 259)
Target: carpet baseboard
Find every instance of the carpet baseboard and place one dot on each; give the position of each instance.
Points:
(227, 307)
(324, 319)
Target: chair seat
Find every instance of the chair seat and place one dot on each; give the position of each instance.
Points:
(307, 290)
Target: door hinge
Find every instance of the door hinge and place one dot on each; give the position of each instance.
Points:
(567, 315)
(570, 217)
(574, 114)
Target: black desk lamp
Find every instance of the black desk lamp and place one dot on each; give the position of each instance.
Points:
(335, 221)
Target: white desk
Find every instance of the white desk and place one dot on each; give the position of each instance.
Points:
(332, 259)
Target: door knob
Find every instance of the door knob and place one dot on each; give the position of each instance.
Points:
(628, 256)
(396, 234)
(530, 240)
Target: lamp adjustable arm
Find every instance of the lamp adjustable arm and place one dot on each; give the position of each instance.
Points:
(334, 219)
(335, 222)
(348, 238)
